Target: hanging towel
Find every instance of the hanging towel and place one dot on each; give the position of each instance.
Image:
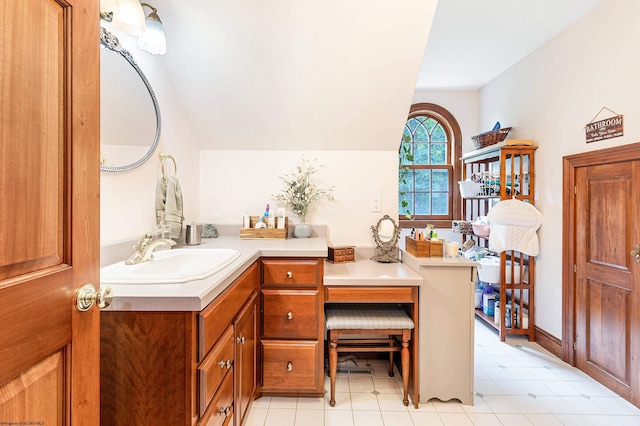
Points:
(513, 227)
(169, 202)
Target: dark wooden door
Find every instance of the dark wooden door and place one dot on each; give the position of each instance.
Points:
(49, 211)
(607, 228)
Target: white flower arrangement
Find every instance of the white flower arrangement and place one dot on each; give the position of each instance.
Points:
(299, 192)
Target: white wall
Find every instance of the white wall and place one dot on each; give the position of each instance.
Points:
(276, 80)
(235, 182)
(296, 75)
(549, 97)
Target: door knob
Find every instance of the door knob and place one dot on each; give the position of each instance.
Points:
(289, 366)
(289, 315)
(87, 296)
(636, 253)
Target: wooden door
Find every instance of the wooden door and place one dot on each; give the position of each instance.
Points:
(49, 211)
(607, 328)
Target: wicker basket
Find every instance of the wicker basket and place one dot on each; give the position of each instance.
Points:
(490, 138)
(461, 227)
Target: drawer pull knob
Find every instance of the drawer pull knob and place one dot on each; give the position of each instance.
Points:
(240, 340)
(224, 364)
(225, 411)
(289, 315)
(289, 366)
(289, 274)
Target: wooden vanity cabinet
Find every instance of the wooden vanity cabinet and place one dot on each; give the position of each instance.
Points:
(182, 368)
(292, 327)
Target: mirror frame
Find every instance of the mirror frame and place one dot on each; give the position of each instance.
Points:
(112, 43)
(386, 251)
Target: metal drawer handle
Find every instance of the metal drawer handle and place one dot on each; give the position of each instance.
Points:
(289, 315)
(240, 340)
(224, 364)
(289, 366)
(225, 411)
(289, 274)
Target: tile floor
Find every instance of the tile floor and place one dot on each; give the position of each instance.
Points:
(517, 383)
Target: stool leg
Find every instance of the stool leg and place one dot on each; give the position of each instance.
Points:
(333, 364)
(391, 344)
(406, 336)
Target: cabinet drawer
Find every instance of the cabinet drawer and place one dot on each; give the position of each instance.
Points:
(290, 366)
(371, 294)
(290, 314)
(216, 317)
(223, 400)
(211, 371)
(280, 272)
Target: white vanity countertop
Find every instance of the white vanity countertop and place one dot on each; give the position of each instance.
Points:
(196, 295)
(366, 272)
(416, 263)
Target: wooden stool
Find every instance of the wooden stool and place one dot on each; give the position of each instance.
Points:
(389, 319)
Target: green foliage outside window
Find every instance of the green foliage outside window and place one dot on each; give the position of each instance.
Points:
(423, 190)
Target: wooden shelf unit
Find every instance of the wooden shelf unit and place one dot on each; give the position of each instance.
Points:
(507, 172)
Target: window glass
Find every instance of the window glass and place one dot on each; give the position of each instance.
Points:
(426, 172)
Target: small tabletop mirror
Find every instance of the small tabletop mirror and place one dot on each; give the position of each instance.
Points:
(386, 234)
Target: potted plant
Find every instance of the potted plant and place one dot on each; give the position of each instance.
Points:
(300, 192)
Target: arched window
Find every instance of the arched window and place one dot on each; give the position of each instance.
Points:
(429, 168)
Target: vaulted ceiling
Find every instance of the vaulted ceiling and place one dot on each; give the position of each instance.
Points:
(473, 41)
(338, 75)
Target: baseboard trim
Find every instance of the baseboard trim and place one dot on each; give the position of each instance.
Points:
(549, 342)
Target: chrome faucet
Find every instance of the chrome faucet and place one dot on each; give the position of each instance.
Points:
(145, 247)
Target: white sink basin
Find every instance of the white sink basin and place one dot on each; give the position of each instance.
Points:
(170, 266)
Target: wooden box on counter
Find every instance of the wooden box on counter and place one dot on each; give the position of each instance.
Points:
(253, 233)
(341, 254)
(424, 248)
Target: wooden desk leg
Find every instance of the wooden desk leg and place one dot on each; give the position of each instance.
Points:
(406, 362)
(333, 364)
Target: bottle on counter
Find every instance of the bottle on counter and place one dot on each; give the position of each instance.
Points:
(164, 230)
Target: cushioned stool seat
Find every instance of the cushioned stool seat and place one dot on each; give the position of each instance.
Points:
(389, 319)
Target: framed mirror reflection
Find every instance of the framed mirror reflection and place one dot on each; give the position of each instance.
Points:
(130, 119)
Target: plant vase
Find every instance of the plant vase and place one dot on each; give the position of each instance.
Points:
(302, 230)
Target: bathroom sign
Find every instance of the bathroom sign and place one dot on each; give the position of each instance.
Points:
(608, 128)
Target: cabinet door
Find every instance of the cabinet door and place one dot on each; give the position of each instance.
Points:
(246, 329)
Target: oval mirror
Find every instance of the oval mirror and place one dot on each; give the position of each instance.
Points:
(386, 230)
(386, 234)
(129, 112)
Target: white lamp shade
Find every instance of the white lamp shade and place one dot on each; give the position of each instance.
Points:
(129, 18)
(153, 38)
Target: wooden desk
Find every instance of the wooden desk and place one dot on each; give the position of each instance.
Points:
(365, 281)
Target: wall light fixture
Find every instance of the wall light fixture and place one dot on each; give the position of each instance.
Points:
(153, 38)
(128, 17)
